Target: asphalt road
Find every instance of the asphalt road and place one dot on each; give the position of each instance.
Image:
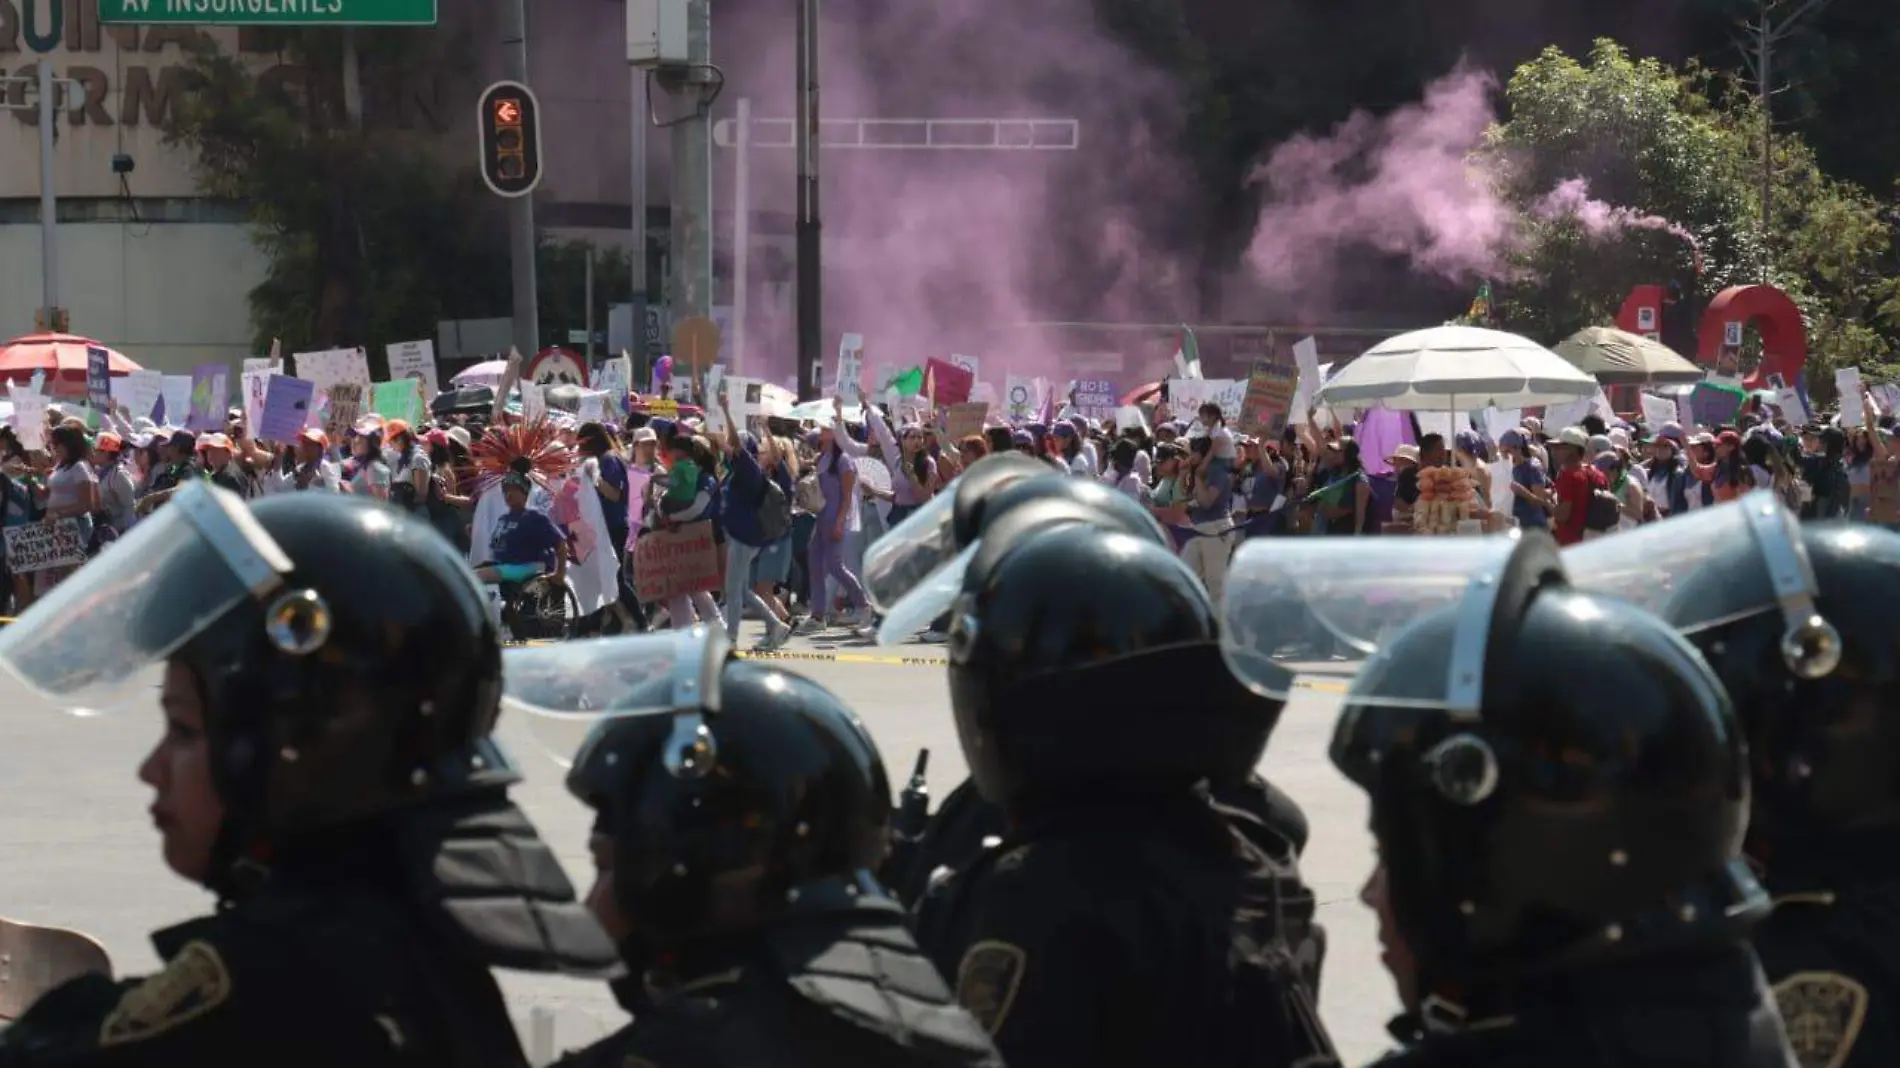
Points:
(81, 851)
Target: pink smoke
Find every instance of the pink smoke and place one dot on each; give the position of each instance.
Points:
(1403, 184)
(933, 252)
(1571, 200)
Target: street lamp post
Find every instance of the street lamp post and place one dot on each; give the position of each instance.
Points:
(47, 104)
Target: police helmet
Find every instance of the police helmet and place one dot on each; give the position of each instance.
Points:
(1793, 617)
(733, 792)
(344, 649)
(1556, 777)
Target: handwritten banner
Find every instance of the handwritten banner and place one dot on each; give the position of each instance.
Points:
(1269, 399)
(39, 546)
(674, 563)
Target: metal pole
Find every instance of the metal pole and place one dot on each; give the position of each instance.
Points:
(642, 117)
(49, 204)
(588, 295)
(691, 293)
(352, 80)
(521, 209)
(741, 232)
(810, 299)
(1765, 87)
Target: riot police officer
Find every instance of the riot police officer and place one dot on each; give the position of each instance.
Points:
(899, 569)
(1797, 619)
(1558, 792)
(1122, 918)
(330, 682)
(739, 813)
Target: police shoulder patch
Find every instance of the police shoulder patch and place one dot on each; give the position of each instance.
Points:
(987, 980)
(193, 984)
(1823, 1013)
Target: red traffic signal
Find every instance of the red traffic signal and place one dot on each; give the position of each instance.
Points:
(511, 139)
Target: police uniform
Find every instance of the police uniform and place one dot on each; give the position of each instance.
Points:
(370, 869)
(745, 807)
(1797, 619)
(1122, 918)
(1558, 791)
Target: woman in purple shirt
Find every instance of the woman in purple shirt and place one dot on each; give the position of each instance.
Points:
(838, 522)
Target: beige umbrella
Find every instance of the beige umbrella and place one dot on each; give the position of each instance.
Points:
(1619, 358)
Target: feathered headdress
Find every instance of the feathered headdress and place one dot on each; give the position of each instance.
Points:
(534, 449)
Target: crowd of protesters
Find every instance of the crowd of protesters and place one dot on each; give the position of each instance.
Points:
(794, 505)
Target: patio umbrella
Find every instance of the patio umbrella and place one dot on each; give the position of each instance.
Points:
(487, 373)
(1619, 358)
(61, 356)
(1457, 369)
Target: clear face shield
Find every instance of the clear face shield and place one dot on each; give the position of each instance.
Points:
(1651, 565)
(86, 644)
(569, 693)
(914, 573)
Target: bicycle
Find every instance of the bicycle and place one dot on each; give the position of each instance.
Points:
(542, 608)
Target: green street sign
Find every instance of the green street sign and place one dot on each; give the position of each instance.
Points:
(269, 12)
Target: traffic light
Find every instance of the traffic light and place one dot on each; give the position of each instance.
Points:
(511, 139)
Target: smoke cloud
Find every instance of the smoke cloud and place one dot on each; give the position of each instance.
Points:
(1408, 184)
(929, 252)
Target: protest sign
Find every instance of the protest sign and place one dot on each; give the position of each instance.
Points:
(1269, 399)
(414, 360)
(29, 416)
(1186, 395)
(341, 408)
(1657, 411)
(138, 392)
(847, 374)
(401, 399)
(39, 546)
(1022, 397)
(98, 378)
(286, 408)
(948, 383)
(256, 384)
(965, 419)
(210, 391)
(1096, 398)
(673, 563)
(1712, 405)
(174, 400)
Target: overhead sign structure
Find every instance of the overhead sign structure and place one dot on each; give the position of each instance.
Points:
(269, 12)
(508, 118)
(955, 135)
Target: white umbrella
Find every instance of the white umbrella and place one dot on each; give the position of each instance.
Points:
(1457, 368)
(486, 373)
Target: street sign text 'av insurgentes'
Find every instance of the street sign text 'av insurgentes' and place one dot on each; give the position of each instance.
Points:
(269, 12)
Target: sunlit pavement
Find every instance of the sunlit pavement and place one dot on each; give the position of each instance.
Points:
(81, 851)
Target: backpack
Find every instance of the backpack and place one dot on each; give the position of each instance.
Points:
(775, 510)
(1605, 510)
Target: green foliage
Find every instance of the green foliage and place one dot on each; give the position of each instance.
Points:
(368, 238)
(1686, 146)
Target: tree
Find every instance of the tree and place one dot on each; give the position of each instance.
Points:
(1679, 147)
(368, 237)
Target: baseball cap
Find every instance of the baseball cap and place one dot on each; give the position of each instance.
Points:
(214, 441)
(1574, 437)
(109, 442)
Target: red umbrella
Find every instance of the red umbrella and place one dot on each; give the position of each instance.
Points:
(61, 356)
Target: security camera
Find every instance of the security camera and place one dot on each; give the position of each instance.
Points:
(122, 163)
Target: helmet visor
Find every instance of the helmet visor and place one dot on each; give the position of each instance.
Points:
(1655, 565)
(567, 691)
(175, 574)
(1291, 603)
(911, 552)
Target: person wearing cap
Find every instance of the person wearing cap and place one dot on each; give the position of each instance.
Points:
(525, 543)
(217, 461)
(365, 472)
(1404, 464)
(313, 468)
(1530, 485)
(118, 502)
(1672, 486)
(1576, 483)
(409, 468)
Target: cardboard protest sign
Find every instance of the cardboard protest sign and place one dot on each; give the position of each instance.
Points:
(673, 563)
(174, 400)
(341, 409)
(1022, 397)
(29, 416)
(1712, 405)
(1269, 399)
(98, 378)
(286, 408)
(138, 392)
(963, 420)
(39, 546)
